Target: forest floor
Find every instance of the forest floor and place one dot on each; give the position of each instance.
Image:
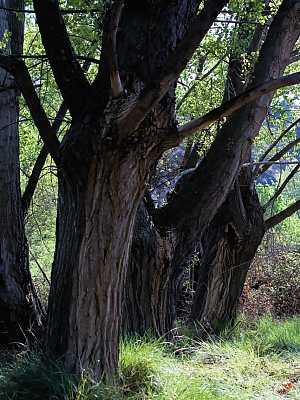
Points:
(255, 361)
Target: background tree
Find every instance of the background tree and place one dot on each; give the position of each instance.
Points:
(19, 306)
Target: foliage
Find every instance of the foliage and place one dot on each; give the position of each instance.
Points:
(273, 283)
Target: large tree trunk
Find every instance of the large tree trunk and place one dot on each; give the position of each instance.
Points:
(17, 311)
(146, 290)
(230, 245)
(101, 183)
(95, 225)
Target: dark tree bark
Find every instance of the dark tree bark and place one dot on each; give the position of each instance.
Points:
(146, 290)
(234, 235)
(102, 178)
(230, 245)
(198, 195)
(18, 305)
(119, 130)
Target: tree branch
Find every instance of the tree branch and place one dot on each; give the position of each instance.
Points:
(269, 149)
(279, 155)
(282, 187)
(67, 71)
(281, 216)
(236, 103)
(270, 163)
(63, 11)
(176, 63)
(20, 72)
(41, 159)
(198, 80)
(40, 162)
(114, 19)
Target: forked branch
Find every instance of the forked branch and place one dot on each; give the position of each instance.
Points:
(176, 63)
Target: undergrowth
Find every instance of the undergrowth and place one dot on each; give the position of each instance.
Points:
(254, 361)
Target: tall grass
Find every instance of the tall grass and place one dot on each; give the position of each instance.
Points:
(252, 362)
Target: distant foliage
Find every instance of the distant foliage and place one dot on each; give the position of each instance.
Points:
(273, 285)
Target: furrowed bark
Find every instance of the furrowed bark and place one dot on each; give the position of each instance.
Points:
(199, 194)
(146, 290)
(230, 245)
(238, 228)
(102, 179)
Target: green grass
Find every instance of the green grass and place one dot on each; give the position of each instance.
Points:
(252, 362)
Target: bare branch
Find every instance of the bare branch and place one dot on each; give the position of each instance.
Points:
(40, 267)
(290, 127)
(198, 80)
(20, 72)
(63, 11)
(67, 71)
(40, 162)
(236, 103)
(45, 57)
(281, 216)
(112, 57)
(270, 163)
(282, 187)
(41, 159)
(279, 155)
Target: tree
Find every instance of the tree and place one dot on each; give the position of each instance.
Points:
(237, 230)
(19, 306)
(121, 124)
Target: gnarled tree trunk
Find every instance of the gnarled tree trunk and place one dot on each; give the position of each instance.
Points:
(102, 180)
(230, 245)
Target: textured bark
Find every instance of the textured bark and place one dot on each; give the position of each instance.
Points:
(199, 194)
(17, 305)
(102, 177)
(230, 245)
(93, 241)
(146, 291)
(233, 237)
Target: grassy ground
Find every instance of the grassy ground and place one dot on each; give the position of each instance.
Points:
(261, 361)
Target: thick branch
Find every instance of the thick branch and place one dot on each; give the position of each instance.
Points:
(189, 203)
(282, 187)
(176, 63)
(20, 72)
(67, 71)
(281, 216)
(112, 57)
(237, 103)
